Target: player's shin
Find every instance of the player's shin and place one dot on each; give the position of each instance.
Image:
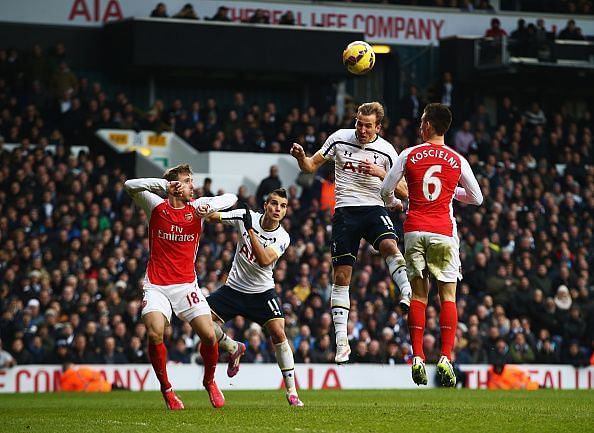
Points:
(210, 356)
(340, 302)
(225, 343)
(286, 363)
(158, 357)
(416, 326)
(448, 322)
(397, 267)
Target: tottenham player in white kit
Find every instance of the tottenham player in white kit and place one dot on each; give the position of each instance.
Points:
(175, 224)
(433, 172)
(249, 289)
(361, 160)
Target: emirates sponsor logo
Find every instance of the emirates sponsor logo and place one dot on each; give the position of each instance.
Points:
(176, 237)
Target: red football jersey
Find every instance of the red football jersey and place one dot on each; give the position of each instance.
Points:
(173, 236)
(432, 173)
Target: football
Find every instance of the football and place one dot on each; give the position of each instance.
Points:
(358, 57)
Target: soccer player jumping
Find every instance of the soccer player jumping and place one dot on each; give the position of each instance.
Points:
(175, 224)
(361, 159)
(432, 171)
(249, 290)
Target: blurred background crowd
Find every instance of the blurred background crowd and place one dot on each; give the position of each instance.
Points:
(73, 248)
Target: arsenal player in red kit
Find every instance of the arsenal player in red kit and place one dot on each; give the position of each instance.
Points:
(175, 224)
(433, 172)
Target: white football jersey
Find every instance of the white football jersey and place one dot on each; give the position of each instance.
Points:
(354, 188)
(246, 274)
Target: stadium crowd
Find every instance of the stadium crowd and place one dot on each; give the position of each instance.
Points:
(73, 249)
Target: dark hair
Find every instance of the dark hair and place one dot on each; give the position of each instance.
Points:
(173, 173)
(439, 116)
(281, 192)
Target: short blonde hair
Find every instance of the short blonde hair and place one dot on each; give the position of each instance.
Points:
(173, 173)
(370, 108)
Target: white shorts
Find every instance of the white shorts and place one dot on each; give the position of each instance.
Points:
(438, 254)
(186, 300)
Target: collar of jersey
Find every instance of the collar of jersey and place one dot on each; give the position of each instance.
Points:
(269, 231)
(365, 145)
(174, 208)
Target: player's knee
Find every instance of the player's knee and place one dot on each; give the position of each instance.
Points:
(209, 338)
(154, 337)
(342, 277)
(277, 335)
(388, 247)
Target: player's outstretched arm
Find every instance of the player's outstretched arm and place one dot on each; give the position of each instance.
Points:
(470, 192)
(308, 164)
(206, 205)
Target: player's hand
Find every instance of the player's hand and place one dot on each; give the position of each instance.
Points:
(297, 151)
(394, 205)
(203, 210)
(247, 217)
(371, 169)
(175, 188)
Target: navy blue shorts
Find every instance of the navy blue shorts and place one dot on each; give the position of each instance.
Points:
(353, 223)
(227, 303)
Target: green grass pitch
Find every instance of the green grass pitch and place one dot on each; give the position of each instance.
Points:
(437, 410)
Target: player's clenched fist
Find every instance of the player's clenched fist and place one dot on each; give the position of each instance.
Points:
(297, 151)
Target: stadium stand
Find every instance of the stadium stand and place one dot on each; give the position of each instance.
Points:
(73, 248)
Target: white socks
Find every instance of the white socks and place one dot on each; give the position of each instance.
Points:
(225, 343)
(397, 268)
(341, 304)
(286, 363)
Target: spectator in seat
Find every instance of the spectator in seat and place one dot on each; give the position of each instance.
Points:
(288, 19)
(495, 31)
(160, 11)
(221, 14)
(20, 354)
(259, 17)
(268, 184)
(187, 12)
(520, 351)
(571, 32)
(63, 80)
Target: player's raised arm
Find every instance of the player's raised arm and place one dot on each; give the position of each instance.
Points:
(308, 164)
(143, 191)
(470, 192)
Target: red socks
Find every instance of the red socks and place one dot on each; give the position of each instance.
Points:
(416, 326)
(448, 322)
(158, 356)
(210, 356)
